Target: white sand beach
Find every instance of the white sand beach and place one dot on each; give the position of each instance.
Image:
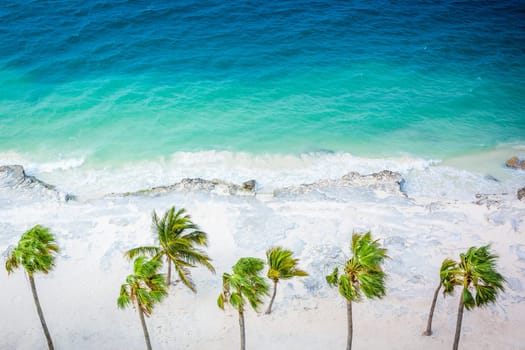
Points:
(79, 296)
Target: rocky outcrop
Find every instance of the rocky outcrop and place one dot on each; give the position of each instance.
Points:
(489, 199)
(386, 181)
(521, 194)
(195, 185)
(249, 185)
(15, 177)
(515, 163)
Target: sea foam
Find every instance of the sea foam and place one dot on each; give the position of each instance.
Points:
(421, 177)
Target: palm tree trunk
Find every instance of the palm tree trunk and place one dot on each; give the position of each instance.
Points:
(144, 328)
(350, 325)
(168, 276)
(241, 325)
(40, 313)
(428, 331)
(269, 311)
(458, 323)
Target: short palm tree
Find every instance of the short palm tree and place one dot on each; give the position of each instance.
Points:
(178, 238)
(444, 279)
(143, 289)
(362, 274)
(244, 285)
(476, 273)
(36, 253)
(281, 265)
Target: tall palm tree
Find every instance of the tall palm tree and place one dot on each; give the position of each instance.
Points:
(281, 265)
(244, 285)
(36, 253)
(178, 237)
(143, 289)
(476, 273)
(445, 277)
(362, 274)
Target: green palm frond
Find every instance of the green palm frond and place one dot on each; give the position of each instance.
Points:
(237, 301)
(192, 256)
(476, 273)
(479, 275)
(362, 273)
(35, 251)
(220, 301)
(468, 299)
(185, 277)
(448, 275)
(333, 278)
(145, 287)
(248, 267)
(179, 239)
(124, 299)
(245, 285)
(372, 283)
(151, 251)
(347, 289)
(282, 264)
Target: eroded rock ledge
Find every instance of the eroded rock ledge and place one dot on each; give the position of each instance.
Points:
(190, 185)
(386, 180)
(15, 177)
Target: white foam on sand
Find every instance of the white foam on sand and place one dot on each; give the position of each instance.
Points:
(438, 219)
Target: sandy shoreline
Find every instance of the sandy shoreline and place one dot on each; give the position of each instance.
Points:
(79, 296)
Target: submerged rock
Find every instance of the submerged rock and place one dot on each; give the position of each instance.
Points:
(515, 163)
(15, 177)
(491, 178)
(521, 193)
(249, 185)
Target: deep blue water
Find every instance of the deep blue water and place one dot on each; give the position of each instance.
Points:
(138, 79)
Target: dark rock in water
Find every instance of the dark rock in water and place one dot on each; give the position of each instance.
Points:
(512, 162)
(14, 176)
(515, 163)
(70, 197)
(490, 178)
(521, 193)
(248, 185)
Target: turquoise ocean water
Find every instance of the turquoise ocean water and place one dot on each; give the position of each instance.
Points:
(123, 81)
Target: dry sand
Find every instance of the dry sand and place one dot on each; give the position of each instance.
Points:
(79, 296)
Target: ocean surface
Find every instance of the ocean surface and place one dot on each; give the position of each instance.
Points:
(166, 89)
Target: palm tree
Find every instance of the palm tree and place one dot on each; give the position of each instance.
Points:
(444, 279)
(362, 274)
(177, 236)
(476, 272)
(244, 285)
(143, 288)
(36, 253)
(281, 265)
